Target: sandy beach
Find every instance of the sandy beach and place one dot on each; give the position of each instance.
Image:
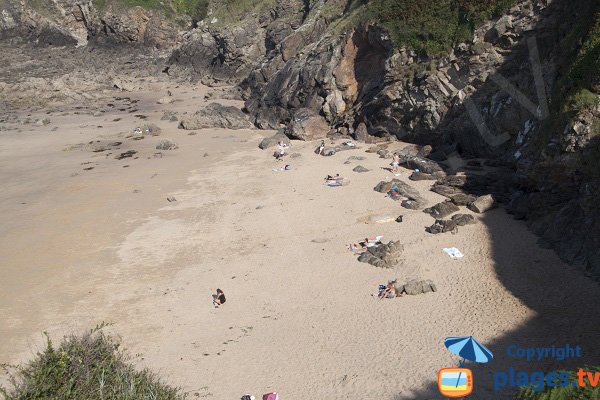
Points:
(79, 247)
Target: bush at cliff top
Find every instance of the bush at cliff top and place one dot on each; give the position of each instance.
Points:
(434, 26)
(563, 393)
(196, 9)
(90, 366)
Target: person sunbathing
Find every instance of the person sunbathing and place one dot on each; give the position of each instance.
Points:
(335, 178)
(390, 291)
(359, 247)
(219, 298)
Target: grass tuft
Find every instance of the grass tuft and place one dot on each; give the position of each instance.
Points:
(90, 366)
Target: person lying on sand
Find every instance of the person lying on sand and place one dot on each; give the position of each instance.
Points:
(335, 178)
(363, 245)
(219, 298)
(359, 247)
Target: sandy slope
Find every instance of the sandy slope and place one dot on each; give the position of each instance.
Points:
(105, 245)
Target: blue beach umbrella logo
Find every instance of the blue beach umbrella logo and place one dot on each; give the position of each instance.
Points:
(458, 382)
(468, 348)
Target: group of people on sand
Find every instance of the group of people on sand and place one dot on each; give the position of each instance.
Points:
(389, 291)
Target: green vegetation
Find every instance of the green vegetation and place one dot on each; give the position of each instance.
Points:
(432, 27)
(91, 366)
(230, 12)
(563, 393)
(196, 9)
(577, 89)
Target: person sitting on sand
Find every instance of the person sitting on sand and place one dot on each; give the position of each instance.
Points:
(321, 147)
(219, 298)
(280, 152)
(390, 291)
(335, 178)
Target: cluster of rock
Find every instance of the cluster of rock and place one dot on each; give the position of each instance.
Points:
(397, 190)
(383, 255)
(452, 224)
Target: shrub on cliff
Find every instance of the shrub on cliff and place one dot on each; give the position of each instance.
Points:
(434, 26)
(90, 366)
(573, 392)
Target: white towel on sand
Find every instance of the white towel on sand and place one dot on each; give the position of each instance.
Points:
(453, 252)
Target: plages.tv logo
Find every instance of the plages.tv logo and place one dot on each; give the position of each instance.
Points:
(458, 382)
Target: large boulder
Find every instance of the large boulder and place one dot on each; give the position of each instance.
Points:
(443, 226)
(273, 140)
(463, 219)
(445, 190)
(398, 190)
(442, 210)
(422, 164)
(384, 255)
(307, 125)
(216, 115)
(416, 286)
(463, 199)
(483, 204)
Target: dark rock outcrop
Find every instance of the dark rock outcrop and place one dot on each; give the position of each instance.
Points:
(307, 125)
(383, 255)
(463, 219)
(443, 226)
(441, 210)
(271, 141)
(216, 115)
(416, 286)
(398, 190)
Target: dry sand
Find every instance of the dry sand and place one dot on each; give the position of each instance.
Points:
(80, 247)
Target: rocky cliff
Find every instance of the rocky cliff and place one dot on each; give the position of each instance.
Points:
(519, 88)
(500, 95)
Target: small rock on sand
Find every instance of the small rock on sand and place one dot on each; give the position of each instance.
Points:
(166, 144)
(464, 219)
(360, 168)
(127, 154)
(442, 209)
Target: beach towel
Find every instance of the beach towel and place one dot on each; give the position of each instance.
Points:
(271, 396)
(374, 241)
(384, 220)
(453, 252)
(333, 184)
